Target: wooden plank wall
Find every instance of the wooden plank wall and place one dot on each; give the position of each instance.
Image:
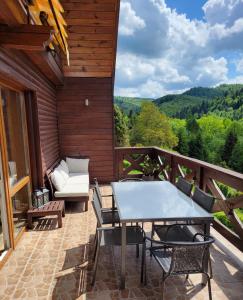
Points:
(88, 130)
(92, 32)
(17, 71)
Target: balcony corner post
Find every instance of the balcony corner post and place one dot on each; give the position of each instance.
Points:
(202, 179)
(172, 170)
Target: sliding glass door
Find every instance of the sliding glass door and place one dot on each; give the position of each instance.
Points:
(15, 157)
(4, 230)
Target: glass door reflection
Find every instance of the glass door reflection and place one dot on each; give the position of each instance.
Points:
(17, 155)
(4, 231)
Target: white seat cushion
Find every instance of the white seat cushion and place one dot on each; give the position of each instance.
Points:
(78, 178)
(73, 190)
(76, 165)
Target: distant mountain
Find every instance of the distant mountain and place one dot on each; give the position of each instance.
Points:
(225, 100)
(172, 105)
(130, 104)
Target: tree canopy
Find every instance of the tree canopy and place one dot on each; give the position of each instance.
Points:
(152, 128)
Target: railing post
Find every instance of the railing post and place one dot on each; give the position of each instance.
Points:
(172, 170)
(202, 179)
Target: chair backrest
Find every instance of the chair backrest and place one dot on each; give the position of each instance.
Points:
(190, 257)
(97, 208)
(184, 186)
(205, 200)
(97, 188)
(131, 179)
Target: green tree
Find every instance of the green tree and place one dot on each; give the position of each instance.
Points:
(183, 146)
(196, 147)
(196, 142)
(236, 159)
(192, 125)
(121, 128)
(213, 129)
(229, 145)
(152, 128)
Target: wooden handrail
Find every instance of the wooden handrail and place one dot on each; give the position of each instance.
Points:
(205, 175)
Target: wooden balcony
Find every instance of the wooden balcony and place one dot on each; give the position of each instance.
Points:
(207, 176)
(51, 263)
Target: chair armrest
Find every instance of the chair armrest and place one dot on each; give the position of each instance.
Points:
(108, 209)
(175, 244)
(208, 237)
(105, 228)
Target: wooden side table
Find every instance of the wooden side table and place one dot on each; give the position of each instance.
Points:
(52, 208)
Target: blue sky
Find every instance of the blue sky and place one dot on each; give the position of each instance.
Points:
(192, 8)
(168, 46)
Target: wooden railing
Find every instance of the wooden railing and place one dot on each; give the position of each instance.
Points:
(207, 176)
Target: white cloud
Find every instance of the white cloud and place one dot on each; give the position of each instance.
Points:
(171, 52)
(211, 71)
(223, 11)
(239, 65)
(129, 21)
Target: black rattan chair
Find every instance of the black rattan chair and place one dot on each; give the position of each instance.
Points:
(178, 258)
(173, 232)
(184, 186)
(111, 236)
(203, 199)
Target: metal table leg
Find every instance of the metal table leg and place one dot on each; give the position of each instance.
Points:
(123, 256)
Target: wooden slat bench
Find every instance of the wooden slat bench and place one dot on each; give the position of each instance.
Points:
(52, 208)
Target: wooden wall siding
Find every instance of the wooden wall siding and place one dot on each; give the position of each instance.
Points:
(17, 71)
(88, 130)
(92, 30)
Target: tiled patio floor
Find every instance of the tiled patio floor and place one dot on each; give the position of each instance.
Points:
(56, 264)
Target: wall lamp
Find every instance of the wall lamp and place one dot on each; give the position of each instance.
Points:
(86, 102)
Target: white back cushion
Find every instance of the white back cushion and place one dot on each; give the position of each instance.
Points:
(76, 165)
(63, 172)
(65, 166)
(58, 180)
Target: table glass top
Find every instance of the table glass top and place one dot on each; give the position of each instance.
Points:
(157, 200)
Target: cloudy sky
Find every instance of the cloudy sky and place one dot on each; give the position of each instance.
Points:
(167, 46)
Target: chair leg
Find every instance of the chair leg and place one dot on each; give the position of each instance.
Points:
(210, 267)
(95, 246)
(209, 288)
(145, 266)
(137, 250)
(142, 263)
(163, 286)
(96, 262)
(152, 235)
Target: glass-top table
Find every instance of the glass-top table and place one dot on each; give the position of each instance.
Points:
(150, 202)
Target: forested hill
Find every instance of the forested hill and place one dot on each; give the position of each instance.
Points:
(128, 104)
(225, 100)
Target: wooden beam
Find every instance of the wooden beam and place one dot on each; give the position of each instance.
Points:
(45, 61)
(12, 13)
(25, 37)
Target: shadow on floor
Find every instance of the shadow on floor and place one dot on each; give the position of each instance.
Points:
(73, 278)
(45, 224)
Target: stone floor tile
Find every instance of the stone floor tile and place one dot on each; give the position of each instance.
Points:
(57, 264)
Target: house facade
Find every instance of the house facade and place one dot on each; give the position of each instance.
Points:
(57, 62)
